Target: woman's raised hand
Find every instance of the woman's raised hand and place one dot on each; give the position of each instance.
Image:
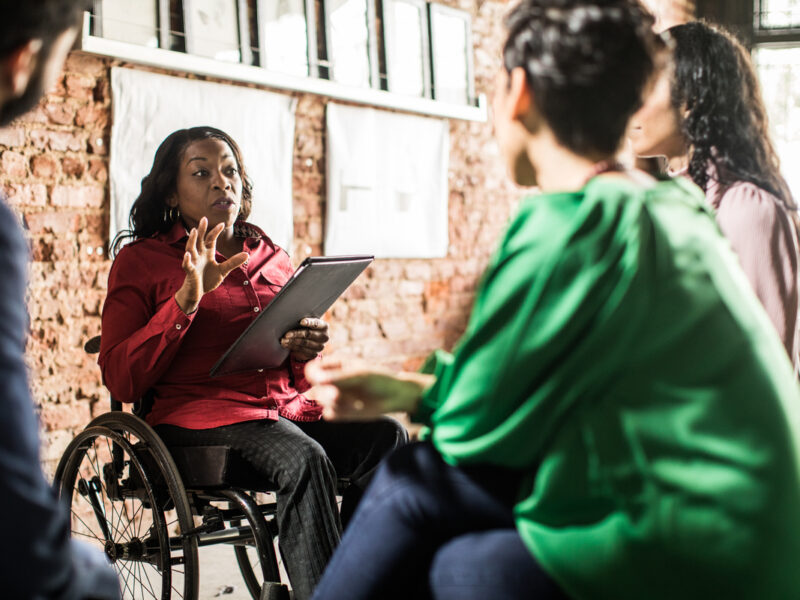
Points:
(355, 394)
(203, 272)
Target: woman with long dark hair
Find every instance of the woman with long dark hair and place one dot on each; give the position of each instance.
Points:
(705, 114)
(193, 276)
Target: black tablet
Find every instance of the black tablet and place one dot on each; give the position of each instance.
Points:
(314, 286)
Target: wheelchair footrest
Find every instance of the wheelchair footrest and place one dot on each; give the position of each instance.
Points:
(274, 591)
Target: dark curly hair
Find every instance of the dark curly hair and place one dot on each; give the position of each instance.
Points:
(716, 95)
(587, 63)
(150, 213)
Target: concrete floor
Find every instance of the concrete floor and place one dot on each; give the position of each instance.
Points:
(220, 578)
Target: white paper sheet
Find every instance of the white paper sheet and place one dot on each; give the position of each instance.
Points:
(387, 183)
(147, 107)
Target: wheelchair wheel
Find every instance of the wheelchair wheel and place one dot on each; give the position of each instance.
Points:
(250, 567)
(126, 498)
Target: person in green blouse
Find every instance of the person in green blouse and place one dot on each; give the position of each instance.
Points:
(620, 420)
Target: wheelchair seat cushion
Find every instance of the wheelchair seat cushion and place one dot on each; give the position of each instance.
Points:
(216, 467)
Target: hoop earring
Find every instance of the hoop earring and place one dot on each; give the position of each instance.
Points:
(172, 214)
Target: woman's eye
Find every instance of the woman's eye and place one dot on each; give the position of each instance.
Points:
(201, 172)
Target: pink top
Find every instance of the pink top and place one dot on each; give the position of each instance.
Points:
(762, 233)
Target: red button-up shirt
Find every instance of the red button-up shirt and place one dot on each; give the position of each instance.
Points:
(148, 342)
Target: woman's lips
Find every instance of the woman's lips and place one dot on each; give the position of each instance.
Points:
(223, 203)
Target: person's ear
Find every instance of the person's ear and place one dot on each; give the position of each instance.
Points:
(17, 68)
(172, 201)
(520, 99)
(519, 95)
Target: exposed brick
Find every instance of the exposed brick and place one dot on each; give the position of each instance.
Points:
(73, 166)
(59, 141)
(12, 136)
(60, 113)
(92, 114)
(41, 250)
(78, 62)
(77, 196)
(98, 169)
(79, 86)
(53, 222)
(66, 416)
(102, 91)
(55, 443)
(98, 144)
(13, 164)
(45, 166)
(26, 194)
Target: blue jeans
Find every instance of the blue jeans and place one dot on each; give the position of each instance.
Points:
(426, 529)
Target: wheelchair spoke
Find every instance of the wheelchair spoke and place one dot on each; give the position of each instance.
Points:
(132, 522)
(148, 578)
(93, 536)
(143, 571)
(124, 579)
(126, 497)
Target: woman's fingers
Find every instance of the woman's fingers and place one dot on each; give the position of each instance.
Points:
(191, 244)
(211, 236)
(234, 262)
(202, 226)
(313, 323)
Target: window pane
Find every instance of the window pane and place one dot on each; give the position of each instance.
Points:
(779, 13)
(779, 72)
(285, 37)
(121, 23)
(349, 42)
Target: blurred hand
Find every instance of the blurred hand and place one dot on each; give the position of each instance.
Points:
(308, 341)
(203, 272)
(361, 394)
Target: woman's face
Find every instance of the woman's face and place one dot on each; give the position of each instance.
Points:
(655, 129)
(209, 184)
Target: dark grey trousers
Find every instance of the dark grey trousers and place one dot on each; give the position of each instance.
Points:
(303, 461)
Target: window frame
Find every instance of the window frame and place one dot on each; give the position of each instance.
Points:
(242, 31)
(372, 44)
(390, 34)
(435, 10)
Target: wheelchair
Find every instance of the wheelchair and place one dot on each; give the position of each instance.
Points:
(150, 508)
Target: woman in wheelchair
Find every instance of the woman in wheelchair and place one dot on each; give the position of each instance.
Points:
(191, 278)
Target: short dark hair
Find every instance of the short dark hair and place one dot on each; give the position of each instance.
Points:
(587, 63)
(150, 214)
(26, 20)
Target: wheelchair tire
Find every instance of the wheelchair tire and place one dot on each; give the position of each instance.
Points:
(251, 569)
(125, 497)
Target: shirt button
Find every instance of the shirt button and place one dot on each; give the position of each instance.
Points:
(177, 325)
(245, 282)
(256, 309)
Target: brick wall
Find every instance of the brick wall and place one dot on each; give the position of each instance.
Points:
(54, 172)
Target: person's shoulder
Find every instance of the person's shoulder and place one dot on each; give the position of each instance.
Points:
(744, 205)
(248, 230)
(11, 238)
(141, 253)
(746, 194)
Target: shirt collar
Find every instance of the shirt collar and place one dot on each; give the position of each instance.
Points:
(242, 229)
